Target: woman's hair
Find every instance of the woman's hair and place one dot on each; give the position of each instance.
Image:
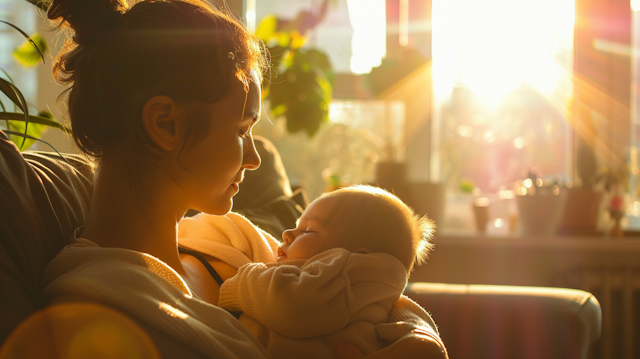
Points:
(119, 57)
(373, 218)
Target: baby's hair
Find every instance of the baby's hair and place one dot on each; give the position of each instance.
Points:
(377, 217)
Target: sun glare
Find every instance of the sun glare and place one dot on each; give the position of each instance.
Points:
(493, 46)
(369, 42)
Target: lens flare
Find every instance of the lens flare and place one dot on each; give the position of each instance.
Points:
(78, 330)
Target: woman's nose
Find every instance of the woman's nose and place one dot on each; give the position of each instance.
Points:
(287, 236)
(250, 157)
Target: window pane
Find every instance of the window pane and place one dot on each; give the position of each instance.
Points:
(358, 135)
(502, 81)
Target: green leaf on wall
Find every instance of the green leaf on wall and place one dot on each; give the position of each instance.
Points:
(37, 125)
(27, 55)
(34, 130)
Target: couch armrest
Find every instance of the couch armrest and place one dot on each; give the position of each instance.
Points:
(491, 321)
(43, 199)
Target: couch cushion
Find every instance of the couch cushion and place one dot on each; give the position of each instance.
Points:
(42, 201)
(492, 321)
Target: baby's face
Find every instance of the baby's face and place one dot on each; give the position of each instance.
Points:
(313, 234)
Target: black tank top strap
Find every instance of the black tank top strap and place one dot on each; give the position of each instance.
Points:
(206, 264)
(235, 313)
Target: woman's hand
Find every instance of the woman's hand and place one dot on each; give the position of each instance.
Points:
(417, 344)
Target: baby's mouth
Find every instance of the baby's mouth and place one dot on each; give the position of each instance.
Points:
(281, 254)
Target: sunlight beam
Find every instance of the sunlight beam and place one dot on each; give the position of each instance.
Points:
(493, 46)
(369, 42)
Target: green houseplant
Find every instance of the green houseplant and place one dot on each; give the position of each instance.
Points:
(302, 79)
(584, 198)
(24, 127)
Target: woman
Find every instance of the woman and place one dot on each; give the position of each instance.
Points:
(164, 95)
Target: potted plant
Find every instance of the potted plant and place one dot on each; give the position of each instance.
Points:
(23, 126)
(616, 184)
(302, 79)
(584, 197)
(540, 205)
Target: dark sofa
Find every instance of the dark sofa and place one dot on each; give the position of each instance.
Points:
(43, 199)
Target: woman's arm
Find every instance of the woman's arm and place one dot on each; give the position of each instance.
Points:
(412, 332)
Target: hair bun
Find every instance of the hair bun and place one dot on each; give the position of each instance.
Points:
(88, 18)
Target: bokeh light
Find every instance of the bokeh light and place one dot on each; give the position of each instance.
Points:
(77, 331)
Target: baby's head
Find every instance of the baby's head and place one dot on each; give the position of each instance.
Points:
(361, 219)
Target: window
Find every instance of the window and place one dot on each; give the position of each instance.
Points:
(502, 73)
(359, 134)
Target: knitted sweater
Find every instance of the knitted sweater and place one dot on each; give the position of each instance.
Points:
(153, 295)
(231, 238)
(305, 308)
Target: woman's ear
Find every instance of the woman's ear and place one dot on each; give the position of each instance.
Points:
(162, 120)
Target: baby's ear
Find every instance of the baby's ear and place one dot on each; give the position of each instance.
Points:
(362, 250)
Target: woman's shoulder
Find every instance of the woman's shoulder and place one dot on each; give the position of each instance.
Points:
(84, 260)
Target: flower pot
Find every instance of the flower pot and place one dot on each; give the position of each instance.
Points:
(540, 215)
(392, 177)
(581, 212)
(428, 199)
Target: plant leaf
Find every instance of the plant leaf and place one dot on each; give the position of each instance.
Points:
(32, 132)
(297, 40)
(267, 28)
(12, 92)
(37, 139)
(29, 53)
(26, 36)
(41, 120)
(6, 74)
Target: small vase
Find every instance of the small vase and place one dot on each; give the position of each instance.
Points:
(616, 216)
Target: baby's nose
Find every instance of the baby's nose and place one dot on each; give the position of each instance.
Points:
(287, 236)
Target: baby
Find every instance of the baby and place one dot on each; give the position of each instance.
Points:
(337, 277)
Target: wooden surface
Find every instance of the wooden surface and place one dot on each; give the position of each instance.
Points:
(537, 261)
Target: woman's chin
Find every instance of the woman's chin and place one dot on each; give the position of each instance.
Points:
(219, 209)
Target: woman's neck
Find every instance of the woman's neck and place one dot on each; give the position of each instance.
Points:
(135, 214)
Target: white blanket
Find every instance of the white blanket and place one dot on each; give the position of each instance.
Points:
(149, 291)
(231, 238)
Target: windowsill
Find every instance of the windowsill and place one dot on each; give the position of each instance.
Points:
(469, 258)
(450, 237)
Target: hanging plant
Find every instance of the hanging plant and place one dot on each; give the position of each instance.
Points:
(302, 83)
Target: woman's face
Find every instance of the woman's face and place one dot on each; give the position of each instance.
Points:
(210, 172)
